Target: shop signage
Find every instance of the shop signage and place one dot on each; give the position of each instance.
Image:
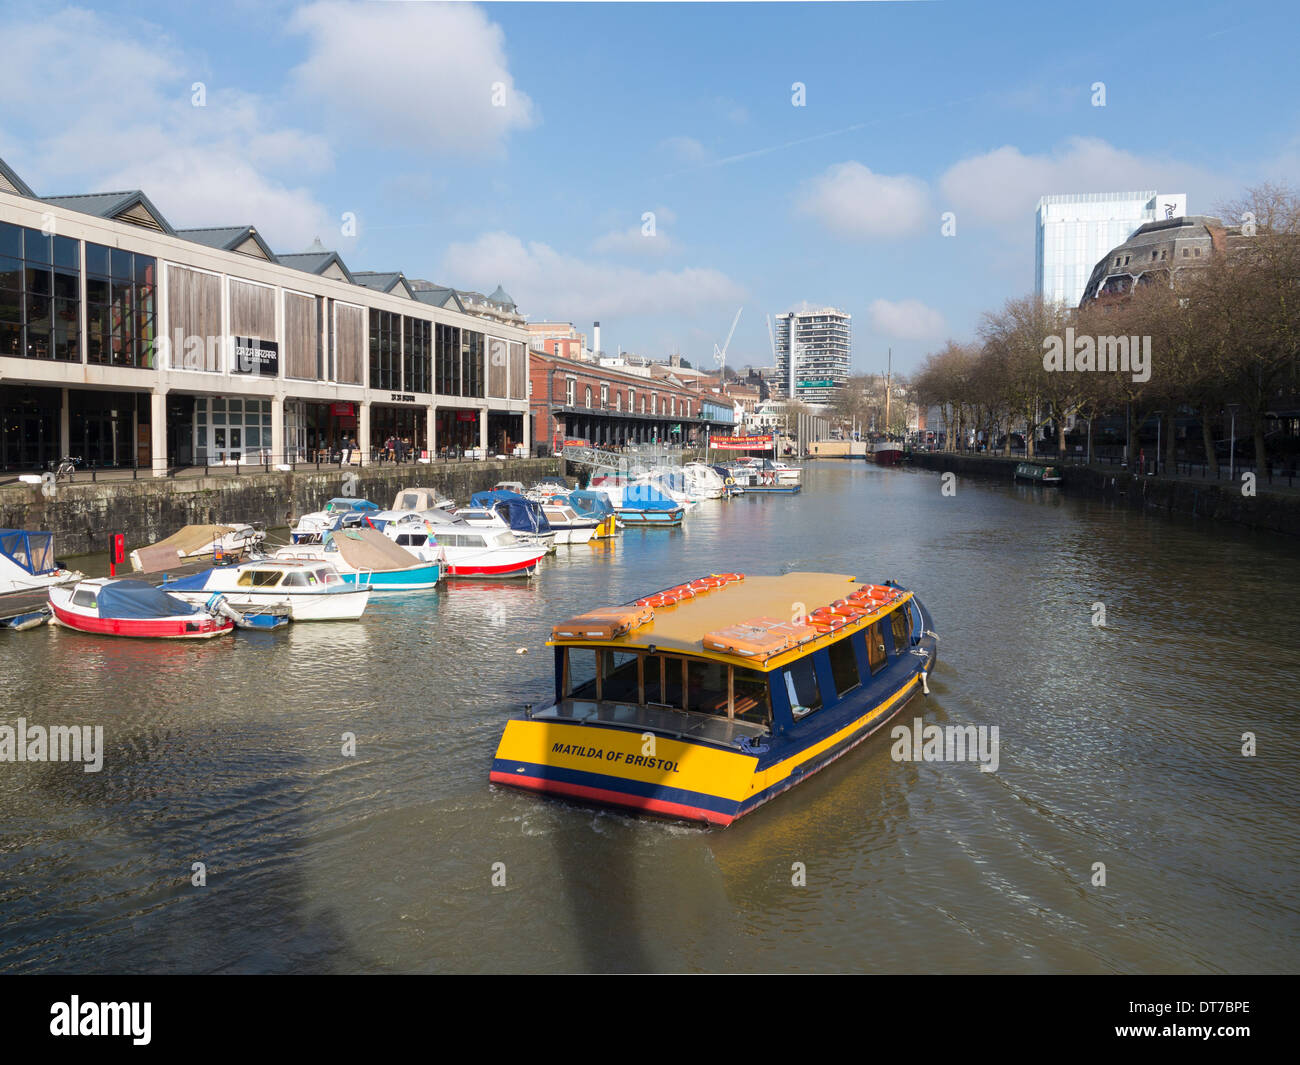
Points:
(342, 410)
(742, 443)
(258, 357)
(466, 416)
(819, 382)
(402, 397)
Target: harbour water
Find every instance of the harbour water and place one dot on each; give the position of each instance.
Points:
(1120, 744)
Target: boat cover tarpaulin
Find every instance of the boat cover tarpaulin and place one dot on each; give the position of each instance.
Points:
(136, 599)
(191, 539)
(522, 515)
(33, 551)
(591, 504)
(644, 497)
(368, 549)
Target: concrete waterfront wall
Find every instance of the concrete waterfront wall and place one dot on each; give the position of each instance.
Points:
(1216, 500)
(83, 515)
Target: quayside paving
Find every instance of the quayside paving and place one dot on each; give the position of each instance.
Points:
(84, 514)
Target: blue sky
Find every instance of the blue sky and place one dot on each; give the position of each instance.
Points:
(385, 111)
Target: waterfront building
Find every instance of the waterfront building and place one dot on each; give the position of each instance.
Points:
(127, 342)
(813, 353)
(561, 338)
(1074, 231)
(1158, 252)
(573, 399)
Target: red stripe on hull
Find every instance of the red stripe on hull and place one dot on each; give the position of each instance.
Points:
(522, 569)
(162, 629)
(614, 798)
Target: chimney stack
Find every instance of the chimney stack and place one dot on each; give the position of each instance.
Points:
(595, 339)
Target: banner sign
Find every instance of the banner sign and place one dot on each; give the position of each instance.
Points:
(342, 410)
(466, 416)
(254, 356)
(742, 443)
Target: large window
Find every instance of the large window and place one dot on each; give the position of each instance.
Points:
(417, 355)
(40, 295)
(471, 346)
(446, 379)
(120, 294)
(844, 666)
(801, 687)
(385, 350)
(901, 620)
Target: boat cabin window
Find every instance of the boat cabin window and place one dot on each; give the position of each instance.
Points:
(298, 579)
(875, 647)
(844, 666)
(412, 539)
(620, 676)
(83, 597)
(901, 620)
(324, 576)
(695, 685)
(801, 686)
(260, 578)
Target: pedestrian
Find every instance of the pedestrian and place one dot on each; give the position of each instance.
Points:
(347, 450)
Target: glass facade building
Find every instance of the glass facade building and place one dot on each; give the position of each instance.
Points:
(1074, 232)
(822, 345)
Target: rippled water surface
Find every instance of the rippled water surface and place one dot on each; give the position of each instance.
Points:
(1118, 744)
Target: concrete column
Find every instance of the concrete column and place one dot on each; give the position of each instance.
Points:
(363, 432)
(482, 429)
(158, 433)
(431, 431)
(65, 430)
(528, 430)
(278, 449)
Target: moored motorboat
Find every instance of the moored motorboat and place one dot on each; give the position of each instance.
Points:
(700, 703)
(307, 590)
(193, 542)
(311, 528)
(886, 452)
(27, 562)
(108, 607)
(367, 556)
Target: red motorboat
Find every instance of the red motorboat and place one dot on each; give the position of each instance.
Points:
(133, 608)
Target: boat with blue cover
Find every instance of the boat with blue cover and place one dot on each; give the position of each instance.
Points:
(27, 562)
(703, 701)
(310, 528)
(109, 607)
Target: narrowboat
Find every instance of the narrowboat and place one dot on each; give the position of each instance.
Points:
(704, 701)
(1037, 473)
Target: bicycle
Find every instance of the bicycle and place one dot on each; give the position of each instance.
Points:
(67, 468)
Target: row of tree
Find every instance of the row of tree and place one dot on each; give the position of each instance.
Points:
(1222, 337)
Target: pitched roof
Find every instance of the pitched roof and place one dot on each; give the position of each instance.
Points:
(229, 238)
(11, 182)
(436, 295)
(131, 205)
(384, 281)
(314, 262)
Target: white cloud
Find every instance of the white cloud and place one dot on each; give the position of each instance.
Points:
(220, 164)
(851, 201)
(685, 149)
(1003, 186)
(906, 320)
(636, 241)
(427, 76)
(544, 281)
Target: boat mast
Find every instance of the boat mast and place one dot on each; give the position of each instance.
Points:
(888, 375)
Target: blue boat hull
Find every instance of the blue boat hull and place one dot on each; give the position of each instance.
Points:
(415, 579)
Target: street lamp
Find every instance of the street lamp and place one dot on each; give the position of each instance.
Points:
(1156, 464)
(1232, 446)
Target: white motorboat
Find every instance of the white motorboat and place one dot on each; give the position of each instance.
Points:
(308, 590)
(194, 542)
(367, 556)
(27, 562)
(569, 526)
(311, 528)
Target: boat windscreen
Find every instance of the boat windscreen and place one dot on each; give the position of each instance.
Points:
(33, 551)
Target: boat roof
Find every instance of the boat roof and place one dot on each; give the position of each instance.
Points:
(681, 629)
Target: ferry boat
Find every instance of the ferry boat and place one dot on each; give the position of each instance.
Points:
(699, 703)
(1038, 473)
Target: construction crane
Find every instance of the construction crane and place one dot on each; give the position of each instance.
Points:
(720, 353)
